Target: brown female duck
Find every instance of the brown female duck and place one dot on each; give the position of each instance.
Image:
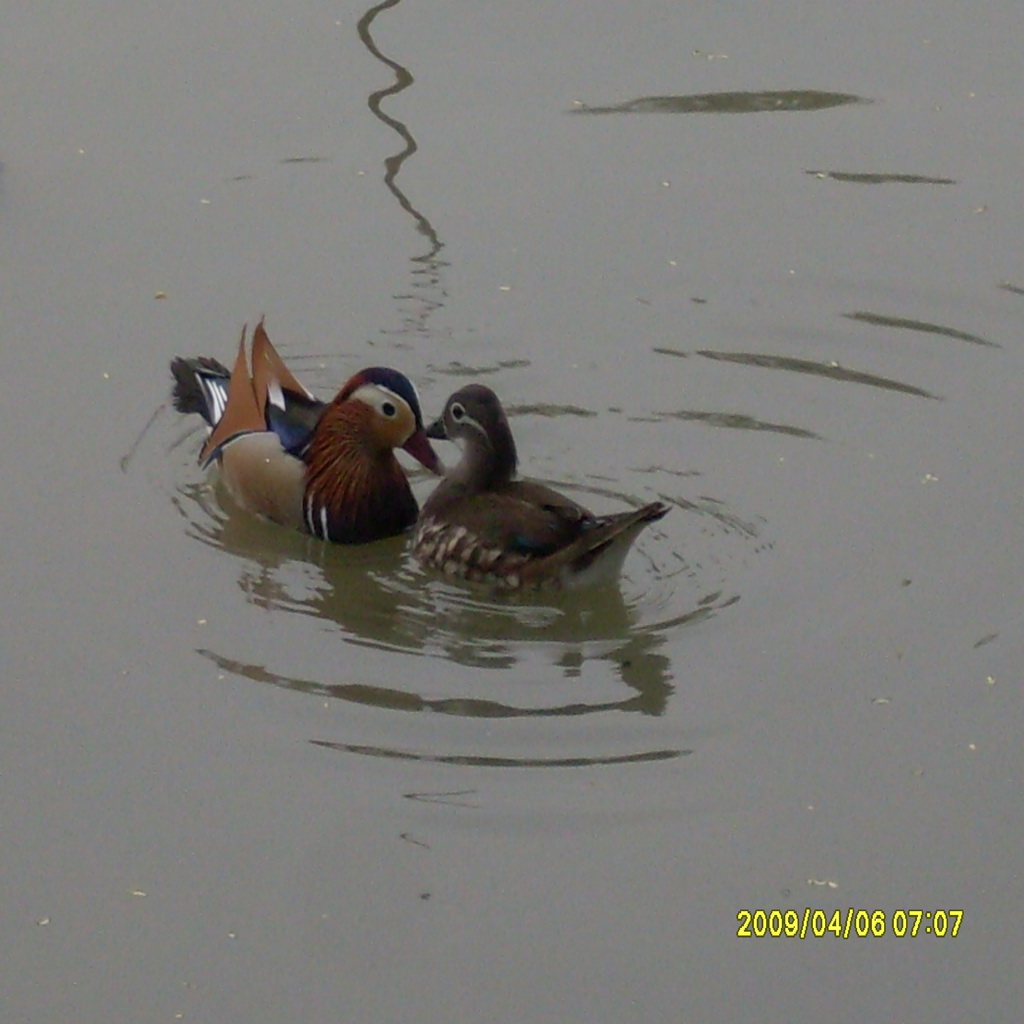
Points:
(484, 524)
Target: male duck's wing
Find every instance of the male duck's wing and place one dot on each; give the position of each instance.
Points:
(242, 413)
(289, 410)
(295, 422)
(255, 467)
(269, 368)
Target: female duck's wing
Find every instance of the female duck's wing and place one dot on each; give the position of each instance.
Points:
(494, 532)
(531, 518)
(527, 535)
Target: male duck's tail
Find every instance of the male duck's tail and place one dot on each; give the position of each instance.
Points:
(200, 386)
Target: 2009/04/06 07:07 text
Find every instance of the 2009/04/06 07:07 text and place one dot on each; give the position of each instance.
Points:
(848, 923)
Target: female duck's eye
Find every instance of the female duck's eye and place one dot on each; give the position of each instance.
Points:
(458, 412)
(388, 409)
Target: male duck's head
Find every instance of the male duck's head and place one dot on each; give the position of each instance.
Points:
(394, 416)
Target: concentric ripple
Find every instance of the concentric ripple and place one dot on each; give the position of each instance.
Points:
(369, 628)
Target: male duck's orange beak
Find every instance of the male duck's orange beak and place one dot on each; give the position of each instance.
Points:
(419, 448)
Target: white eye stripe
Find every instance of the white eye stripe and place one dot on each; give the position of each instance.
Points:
(385, 401)
(466, 426)
(398, 400)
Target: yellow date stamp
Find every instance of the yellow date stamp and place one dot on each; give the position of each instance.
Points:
(847, 923)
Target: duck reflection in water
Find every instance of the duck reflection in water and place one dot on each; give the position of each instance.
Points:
(375, 597)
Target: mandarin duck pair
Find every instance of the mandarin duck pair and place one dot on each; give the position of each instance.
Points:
(329, 469)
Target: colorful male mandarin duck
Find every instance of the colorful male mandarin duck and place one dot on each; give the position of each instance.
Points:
(326, 468)
(483, 524)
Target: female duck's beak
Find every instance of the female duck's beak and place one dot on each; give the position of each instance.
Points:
(436, 430)
(419, 448)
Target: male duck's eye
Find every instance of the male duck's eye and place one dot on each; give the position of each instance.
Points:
(388, 409)
(458, 412)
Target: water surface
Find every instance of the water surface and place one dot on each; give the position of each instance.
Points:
(763, 266)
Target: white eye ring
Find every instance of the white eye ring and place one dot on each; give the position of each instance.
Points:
(389, 410)
(457, 412)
